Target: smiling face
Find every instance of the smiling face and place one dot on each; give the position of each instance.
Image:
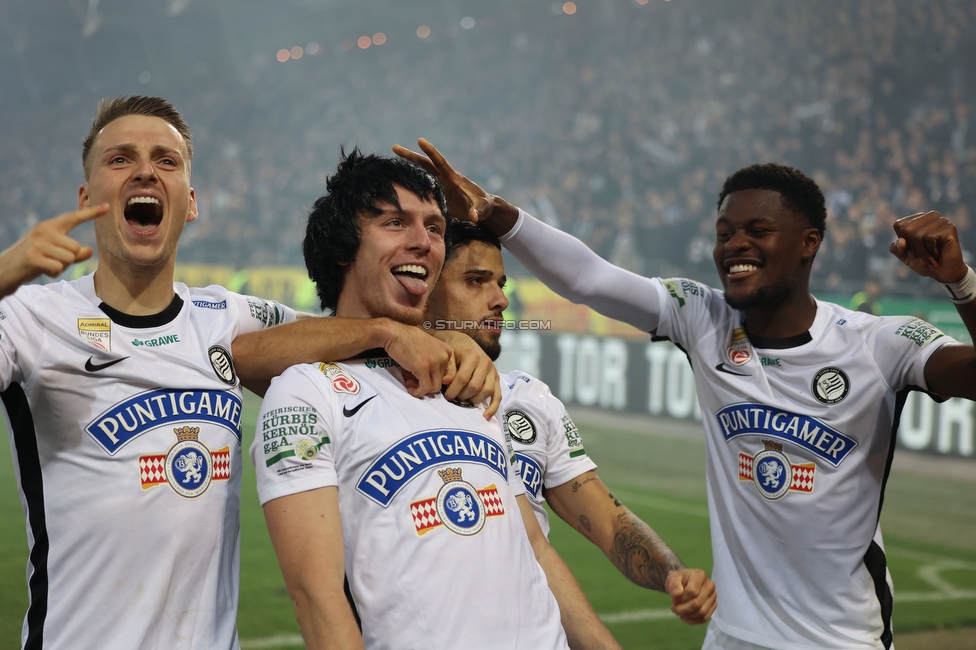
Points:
(763, 250)
(400, 255)
(140, 167)
(470, 292)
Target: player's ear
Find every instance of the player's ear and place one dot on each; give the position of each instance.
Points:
(191, 212)
(83, 200)
(811, 242)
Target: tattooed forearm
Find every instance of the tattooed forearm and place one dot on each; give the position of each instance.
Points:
(577, 485)
(640, 554)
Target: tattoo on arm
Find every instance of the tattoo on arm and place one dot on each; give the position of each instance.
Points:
(577, 485)
(640, 554)
(585, 527)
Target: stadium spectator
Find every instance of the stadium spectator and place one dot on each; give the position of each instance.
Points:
(651, 105)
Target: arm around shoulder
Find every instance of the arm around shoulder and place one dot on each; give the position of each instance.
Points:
(264, 354)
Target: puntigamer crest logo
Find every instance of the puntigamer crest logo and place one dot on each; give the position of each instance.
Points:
(773, 474)
(188, 467)
(458, 506)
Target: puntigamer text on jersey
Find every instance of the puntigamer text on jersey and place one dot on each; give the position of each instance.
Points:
(810, 433)
(395, 467)
(155, 408)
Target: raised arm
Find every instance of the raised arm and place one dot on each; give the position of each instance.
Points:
(632, 546)
(306, 531)
(46, 249)
(565, 264)
(584, 629)
(264, 354)
(928, 244)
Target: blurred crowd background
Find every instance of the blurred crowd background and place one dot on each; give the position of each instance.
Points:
(615, 120)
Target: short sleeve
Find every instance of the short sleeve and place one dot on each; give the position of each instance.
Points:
(690, 311)
(901, 346)
(258, 313)
(292, 450)
(565, 455)
(19, 338)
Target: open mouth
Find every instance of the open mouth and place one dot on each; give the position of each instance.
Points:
(740, 269)
(413, 277)
(144, 212)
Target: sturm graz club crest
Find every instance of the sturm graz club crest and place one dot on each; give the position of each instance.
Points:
(520, 427)
(830, 385)
(459, 505)
(223, 364)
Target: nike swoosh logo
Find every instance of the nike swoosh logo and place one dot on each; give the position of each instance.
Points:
(349, 412)
(721, 368)
(95, 367)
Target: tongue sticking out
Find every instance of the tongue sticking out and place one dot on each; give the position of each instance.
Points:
(413, 278)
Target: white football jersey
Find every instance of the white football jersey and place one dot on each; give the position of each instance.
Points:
(548, 446)
(799, 441)
(126, 440)
(435, 550)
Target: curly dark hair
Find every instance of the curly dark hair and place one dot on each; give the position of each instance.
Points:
(460, 233)
(800, 193)
(332, 234)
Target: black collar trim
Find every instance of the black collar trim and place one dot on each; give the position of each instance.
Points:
(164, 317)
(779, 344)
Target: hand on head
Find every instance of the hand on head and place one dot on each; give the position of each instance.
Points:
(465, 199)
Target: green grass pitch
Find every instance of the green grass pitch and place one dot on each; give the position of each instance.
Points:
(929, 523)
